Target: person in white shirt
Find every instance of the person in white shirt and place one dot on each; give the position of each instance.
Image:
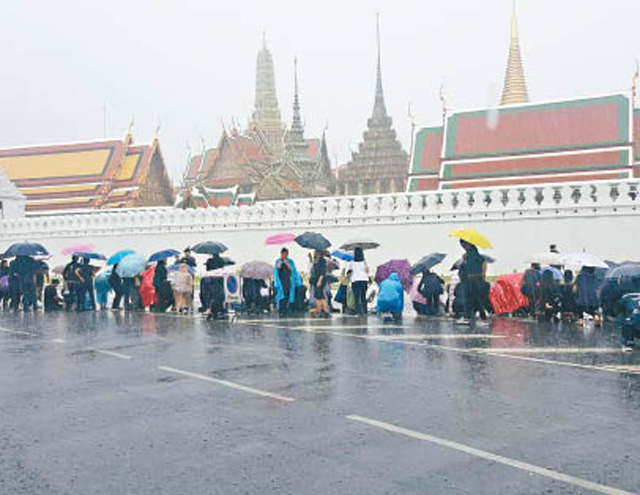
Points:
(359, 274)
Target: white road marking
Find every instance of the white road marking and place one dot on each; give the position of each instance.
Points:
(488, 351)
(435, 336)
(611, 369)
(549, 350)
(523, 466)
(111, 353)
(227, 383)
(17, 332)
(58, 341)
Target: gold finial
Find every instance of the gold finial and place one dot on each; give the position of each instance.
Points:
(634, 85)
(515, 86)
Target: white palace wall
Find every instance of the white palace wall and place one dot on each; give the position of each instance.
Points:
(602, 218)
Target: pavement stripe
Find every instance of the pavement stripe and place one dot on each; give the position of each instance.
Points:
(523, 466)
(58, 341)
(16, 332)
(227, 383)
(434, 336)
(611, 369)
(112, 353)
(550, 350)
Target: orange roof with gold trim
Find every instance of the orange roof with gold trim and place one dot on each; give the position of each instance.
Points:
(82, 175)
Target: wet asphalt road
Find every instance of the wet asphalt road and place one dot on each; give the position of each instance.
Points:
(158, 404)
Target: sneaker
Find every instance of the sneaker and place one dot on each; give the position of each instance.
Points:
(462, 321)
(482, 324)
(627, 348)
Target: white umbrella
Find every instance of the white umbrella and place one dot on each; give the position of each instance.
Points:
(583, 259)
(548, 258)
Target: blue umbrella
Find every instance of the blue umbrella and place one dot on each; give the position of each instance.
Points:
(26, 249)
(117, 257)
(131, 266)
(163, 255)
(91, 256)
(176, 266)
(557, 274)
(342, 255)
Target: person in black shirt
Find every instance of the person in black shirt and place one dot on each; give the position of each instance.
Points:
(52, 300)
(472, 281)
(216, 294)
(188, 258)
(318, 280)
(71, 281)
(84, 274)
(116, 284)
(162, 286)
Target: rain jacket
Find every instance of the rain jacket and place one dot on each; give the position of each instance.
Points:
(296, 281)
(391, 296)
(103, 287)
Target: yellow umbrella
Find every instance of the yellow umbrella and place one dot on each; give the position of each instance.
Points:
(472, 236)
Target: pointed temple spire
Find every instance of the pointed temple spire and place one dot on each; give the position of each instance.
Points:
(380, 165)
(379, 107)
(266, 114)
(515, 86)
(295, 136)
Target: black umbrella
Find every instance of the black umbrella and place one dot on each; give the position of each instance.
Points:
(26, 249)
(313, 240)
(427, 262)
(458, 264)
(227, 261)
(209, 247)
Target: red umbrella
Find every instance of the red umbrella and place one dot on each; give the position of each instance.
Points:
(280, 239)
(401, 267)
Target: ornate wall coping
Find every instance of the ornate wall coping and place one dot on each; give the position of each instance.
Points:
(451, 206)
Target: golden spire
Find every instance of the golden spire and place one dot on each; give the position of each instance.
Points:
(515, 86)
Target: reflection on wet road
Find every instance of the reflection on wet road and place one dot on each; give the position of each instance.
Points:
(140, 403)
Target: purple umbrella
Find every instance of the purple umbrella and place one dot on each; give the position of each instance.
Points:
(401, 267)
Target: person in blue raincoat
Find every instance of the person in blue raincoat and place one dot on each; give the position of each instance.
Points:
(103, 287)
(391, 296)
(286, 279)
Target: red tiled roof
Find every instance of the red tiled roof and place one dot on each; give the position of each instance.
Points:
(536, 164)
(576, 124)
(194, 166)
(514, 181)
(427, 151)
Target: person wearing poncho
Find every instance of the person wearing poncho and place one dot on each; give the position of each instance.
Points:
(285, 279)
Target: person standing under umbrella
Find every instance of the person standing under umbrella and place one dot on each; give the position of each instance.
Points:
(587, 297)
(160, 285)
(286, 279)
(318, 280)
(26, 268)
(84, 275)
(71, 282)
(116, 284)
(472, 281)
(216, 289)
(359, 275)
(431, 288)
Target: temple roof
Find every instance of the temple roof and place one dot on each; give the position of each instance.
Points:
(427, 151)
(82, 175)
(535, 128)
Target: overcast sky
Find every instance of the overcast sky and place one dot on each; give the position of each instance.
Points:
(190, 64)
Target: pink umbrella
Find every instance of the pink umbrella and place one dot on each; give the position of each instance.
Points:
(280, 239)
(78, 248)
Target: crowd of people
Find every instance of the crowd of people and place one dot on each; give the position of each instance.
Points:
(549, 293)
